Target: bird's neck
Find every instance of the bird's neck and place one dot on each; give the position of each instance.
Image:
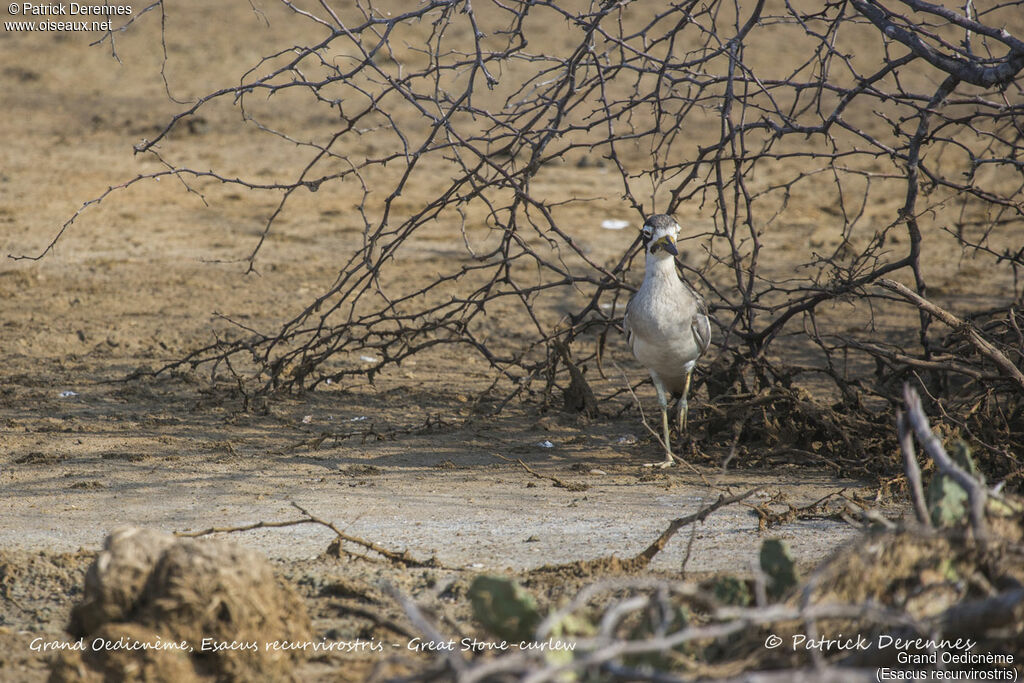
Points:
(660, 267)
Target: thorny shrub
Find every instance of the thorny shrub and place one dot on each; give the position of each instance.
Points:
(732, 106)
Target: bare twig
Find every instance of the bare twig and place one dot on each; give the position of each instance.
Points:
(964, 69)
(403, 557)
(976, 493)
(546, 477)
(374, 615)
(426, 627)
(983, 346)
(912, 470)
(644, 558)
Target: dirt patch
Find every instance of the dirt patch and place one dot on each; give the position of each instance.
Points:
(37, 458)
(37, 589)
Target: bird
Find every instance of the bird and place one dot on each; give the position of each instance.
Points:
(666, 323)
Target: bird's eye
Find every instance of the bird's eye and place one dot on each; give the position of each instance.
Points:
(646, 233)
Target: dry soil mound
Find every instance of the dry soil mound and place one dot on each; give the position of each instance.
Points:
(148, 590)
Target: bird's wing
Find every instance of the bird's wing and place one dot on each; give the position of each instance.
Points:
(700, 324)
(626, 327)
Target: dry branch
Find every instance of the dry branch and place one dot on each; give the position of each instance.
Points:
(546, 477)
(979, 342)
(976, 616)
(596, 653)
(373, 615)
(468, 87)
(641, 560)
(768, 518)
(966, 619)
(426, 627)
(901, 29)
(912, 470)
(976, 493)
(644, 558)
(401, 558)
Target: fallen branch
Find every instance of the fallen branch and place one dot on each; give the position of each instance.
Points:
(912, 470)
(641, 560)
(970, 618)
(374, 616)
(972, 334)
(606, 651)
(547, 477)
(976, 492)
(403, 557)
(767, 518)
(425, 626)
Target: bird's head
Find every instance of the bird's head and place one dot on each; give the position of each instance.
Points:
(659, 236)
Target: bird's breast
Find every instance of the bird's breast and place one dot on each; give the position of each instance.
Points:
(661, 329)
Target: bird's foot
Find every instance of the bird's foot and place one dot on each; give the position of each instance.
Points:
(669, 461)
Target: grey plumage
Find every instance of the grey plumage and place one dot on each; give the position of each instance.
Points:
(666, 322)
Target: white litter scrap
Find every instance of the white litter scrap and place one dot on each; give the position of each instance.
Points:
(368, 359)
(358, 419)
(307, 419)
(546, 444)
(614, 224)
(68, 394)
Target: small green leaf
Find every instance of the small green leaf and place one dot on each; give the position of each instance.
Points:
(778, 564)
(504, 607)
(948, 570)
(947, 500)
(730, 590)
(573, 625)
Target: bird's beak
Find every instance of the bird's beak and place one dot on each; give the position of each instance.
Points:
(667, 243)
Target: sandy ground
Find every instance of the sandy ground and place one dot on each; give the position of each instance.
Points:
(138, 281)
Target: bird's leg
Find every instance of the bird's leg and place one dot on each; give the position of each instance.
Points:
(682, 406)
(663, 402)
